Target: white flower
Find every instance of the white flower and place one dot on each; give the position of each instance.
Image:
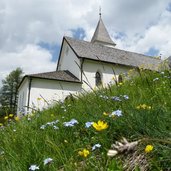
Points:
(116, 113)
(43, 127)
(55, 127)
(115, 98)
(47, 161)
(34, 167)
(88, 124)
(96, 146)
(155, 79)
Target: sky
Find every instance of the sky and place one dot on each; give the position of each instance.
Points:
(31, 31)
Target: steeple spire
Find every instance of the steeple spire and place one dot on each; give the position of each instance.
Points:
(101, 34)
(100, 13)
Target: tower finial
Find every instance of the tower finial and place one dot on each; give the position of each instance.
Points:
(100, 13)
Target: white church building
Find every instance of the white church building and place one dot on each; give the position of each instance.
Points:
(82, 65)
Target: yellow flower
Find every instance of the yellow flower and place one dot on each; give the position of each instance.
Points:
(17, 118)
(105, 114)
(84, 153)
(148, 148)
(39, 98)
(11, 115)
(1, 124)
(100, 125)
(6, 117)
(143, 106)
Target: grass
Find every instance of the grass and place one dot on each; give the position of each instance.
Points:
(24, 143)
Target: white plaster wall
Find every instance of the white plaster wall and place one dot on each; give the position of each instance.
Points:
(69, 61)
(107, 71)
(22, 97)
(51, 91)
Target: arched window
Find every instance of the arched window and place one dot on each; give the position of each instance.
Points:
(98, 79)
(120, 79)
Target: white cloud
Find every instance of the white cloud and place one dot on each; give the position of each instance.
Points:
(24, 24)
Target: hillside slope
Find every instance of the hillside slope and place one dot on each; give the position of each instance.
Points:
(77, 134)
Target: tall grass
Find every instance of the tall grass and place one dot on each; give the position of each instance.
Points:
(145, 103)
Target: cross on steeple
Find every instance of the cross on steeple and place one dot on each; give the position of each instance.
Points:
(100, 13)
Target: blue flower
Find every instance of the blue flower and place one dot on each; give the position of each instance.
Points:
(96, 146)
(116, 113)
(71, 123)
(88, 124)
(116, 98)
(33, 167)
(47, 161)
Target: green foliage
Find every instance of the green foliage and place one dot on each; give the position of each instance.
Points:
(9, 92)
(24, 143)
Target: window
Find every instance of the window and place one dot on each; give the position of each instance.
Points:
(98, 79)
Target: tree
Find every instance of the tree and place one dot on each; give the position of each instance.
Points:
(9, 91)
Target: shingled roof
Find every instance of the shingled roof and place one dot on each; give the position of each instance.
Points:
(56, 75)
(101, 35)
(92, 51)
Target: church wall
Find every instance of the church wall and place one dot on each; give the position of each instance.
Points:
(105, 69)
(69, 61)
(23, 97)
(50, 91)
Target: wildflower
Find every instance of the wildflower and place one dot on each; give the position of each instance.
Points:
(104, 97)
(47, 161)
(1, 124)
(116, 98)
(55, 127)
(143, 106)
(14, 130)
(100, 125)
(96, 146)
(126, 97)
(11, 115)
(65, 141)
(155, 79)
(34, 167)
(71, 123)
(88, 124)
(120, 84)
(116, 113)
(43, 127)
(17, 118)
(105, 113)
(6, 117)
(38, 99)
(84, 153)
(148, 148)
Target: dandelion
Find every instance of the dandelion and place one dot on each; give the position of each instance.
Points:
(148, 148)
(6, 117)
(88, 124)
(116, 113)
(100, 125)
(47, 161)
(11, 115)
(33, 167)
(96, 146)
(84, 153)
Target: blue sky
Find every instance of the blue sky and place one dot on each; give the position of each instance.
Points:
(31, 37)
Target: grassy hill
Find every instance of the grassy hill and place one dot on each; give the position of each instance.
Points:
(77, 134)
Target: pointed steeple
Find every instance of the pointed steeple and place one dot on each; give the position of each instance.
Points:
(101, 34)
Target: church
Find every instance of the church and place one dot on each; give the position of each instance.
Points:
(81, 66)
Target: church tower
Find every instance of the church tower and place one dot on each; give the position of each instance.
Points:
(101, 34)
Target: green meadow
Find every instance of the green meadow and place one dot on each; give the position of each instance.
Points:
(76, 135)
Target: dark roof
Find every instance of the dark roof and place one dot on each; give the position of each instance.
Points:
(56, 75)
(101, 35)
(92, 51)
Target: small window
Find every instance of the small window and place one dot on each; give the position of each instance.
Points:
(120, 79)
(98, 79)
